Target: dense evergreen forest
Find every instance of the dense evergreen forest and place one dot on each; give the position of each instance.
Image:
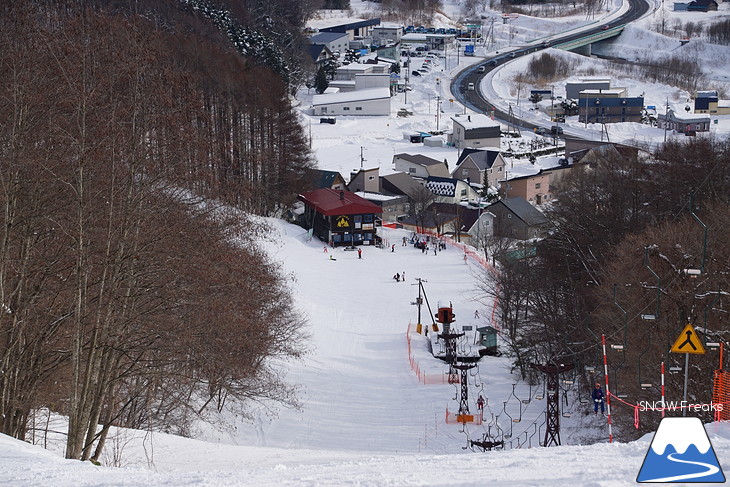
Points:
(136, 137)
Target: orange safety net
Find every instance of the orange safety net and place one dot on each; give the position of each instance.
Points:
(721, 395)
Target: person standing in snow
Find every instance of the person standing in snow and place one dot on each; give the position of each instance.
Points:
(392, 248)
(404, 276)
(597, 398)
(359, 253)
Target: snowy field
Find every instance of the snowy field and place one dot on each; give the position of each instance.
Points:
(365, 419)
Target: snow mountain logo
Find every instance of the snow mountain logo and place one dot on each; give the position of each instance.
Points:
(681, 452)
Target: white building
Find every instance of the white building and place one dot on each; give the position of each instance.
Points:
(475, 131)
(373, 101)
(334, 41)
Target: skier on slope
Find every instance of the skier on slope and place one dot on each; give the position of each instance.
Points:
(597, 396)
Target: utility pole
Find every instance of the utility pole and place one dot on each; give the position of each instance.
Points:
(362, 159)
(438, 110)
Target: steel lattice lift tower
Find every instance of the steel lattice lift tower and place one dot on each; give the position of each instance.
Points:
(552, 413)
(464, 399)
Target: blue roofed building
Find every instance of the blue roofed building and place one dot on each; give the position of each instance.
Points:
(609, 106)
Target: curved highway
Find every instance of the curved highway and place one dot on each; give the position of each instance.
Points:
(477, 102)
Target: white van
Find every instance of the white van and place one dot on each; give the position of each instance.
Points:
(481, 69)
(471, 86)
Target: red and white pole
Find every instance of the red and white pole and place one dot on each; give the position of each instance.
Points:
(608, 394)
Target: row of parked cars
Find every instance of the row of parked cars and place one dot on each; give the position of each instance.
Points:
(431, 30)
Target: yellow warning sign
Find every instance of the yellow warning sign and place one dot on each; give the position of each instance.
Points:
(688, 342)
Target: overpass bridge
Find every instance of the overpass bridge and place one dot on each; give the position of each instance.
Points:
(582, 45)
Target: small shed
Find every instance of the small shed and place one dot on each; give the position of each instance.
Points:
(488, 339)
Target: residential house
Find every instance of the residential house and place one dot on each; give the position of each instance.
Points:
(367, 180)
(399, 183)
(535, 188)
(684, 123)
(340, 217)
(467, 223)
(474, 131)
(420, 166)
(450, 190)
(394, 207)
(479, 165)
(373, 101)
(336, 42)
(320, 54)
(515, 218)
(327, 179)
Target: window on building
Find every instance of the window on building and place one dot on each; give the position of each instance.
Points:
(324, 109)
(464, 172)
(336, 237)
(509, 215)
(411, 169)
(346, 109)
(367, 218)
(368, 236)
(357, 218)
(370, 178)
(463, 192)
(537, 185)
(358, 109)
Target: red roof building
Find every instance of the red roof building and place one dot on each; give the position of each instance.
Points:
(340, 217)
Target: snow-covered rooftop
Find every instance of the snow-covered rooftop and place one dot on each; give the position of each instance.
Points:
(475, 121)
(351, 96)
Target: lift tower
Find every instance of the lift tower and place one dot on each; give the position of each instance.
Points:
(552, 412)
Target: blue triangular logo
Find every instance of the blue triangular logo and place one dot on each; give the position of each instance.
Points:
(681, 452)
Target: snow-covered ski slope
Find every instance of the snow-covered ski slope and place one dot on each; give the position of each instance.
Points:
(365, 419)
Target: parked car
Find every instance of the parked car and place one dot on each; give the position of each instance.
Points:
(471, 86)
(556, 129)
(415, 73)
(481, 69)
(330, 120)
(540, 130)
(493, 62)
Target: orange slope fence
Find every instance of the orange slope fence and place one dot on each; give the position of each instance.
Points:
(423, 377)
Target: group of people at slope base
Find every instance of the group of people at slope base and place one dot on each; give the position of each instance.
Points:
(400, 277)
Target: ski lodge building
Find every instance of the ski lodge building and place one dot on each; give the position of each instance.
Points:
(340, 217)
